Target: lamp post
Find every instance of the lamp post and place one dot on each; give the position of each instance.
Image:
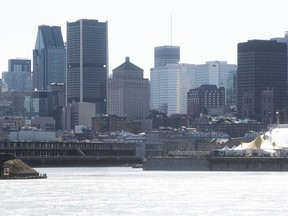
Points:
(277, 118)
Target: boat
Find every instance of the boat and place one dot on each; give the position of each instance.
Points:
(137, 166)
(14, 168)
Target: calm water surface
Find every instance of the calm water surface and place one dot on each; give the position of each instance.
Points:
(127, 191)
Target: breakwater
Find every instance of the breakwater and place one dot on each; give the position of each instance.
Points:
(217, 164)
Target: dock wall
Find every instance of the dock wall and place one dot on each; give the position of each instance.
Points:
(177, 164)
(217, 164)
(81, 161)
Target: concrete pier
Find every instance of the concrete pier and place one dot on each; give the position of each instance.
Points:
(77, 161)
(217, 164)
(57, 154)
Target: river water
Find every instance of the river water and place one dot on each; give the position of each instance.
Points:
(127, 191)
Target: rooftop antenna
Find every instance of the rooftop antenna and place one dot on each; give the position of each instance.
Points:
(171, 28)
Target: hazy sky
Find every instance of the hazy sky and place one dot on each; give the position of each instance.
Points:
(205, 30)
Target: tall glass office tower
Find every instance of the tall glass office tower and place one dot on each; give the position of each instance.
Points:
(49, 57)
(87, 62)
(262, 66)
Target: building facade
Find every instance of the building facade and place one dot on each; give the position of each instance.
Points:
(41, 104)
(78, 113)
(164, 55)
(87, 62)
(19, 65)
(108, 123)
(170, 81)
(128, 92)
(58, 98)
(169, 85)
(49, 57)
(207, 99)
(18, 78)
(214, 73)
(267, 107)
(18, 102)
(262, 64)
(3, 87)
(231, 90)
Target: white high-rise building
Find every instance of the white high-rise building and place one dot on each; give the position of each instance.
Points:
(214, 73)
(169, 85)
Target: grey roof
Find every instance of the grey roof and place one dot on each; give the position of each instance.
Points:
(127, 66)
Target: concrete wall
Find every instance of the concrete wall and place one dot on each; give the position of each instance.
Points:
(217, 164)
(34, 135)
(81, 161)
(175, 164)
(249, 164)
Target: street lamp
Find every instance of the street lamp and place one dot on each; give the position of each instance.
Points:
(277, 118)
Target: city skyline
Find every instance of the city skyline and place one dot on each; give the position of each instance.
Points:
(204, 30)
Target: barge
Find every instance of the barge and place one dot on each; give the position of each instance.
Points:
(14, 168)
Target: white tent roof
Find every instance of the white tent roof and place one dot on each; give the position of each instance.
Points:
(279, 135)
(225, 148)
(260, 142)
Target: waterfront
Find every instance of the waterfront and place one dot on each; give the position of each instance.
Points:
(128, 191)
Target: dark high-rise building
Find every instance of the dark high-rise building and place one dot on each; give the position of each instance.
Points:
(58, 95)
(49, 57)
(87, 62)
(166, 55)
(41, 104)
(58, 103)
(262, 65)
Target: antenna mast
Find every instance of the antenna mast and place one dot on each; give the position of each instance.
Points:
(171, 28)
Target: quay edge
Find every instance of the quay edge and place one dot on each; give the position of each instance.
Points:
(217, 164)
(77, 161)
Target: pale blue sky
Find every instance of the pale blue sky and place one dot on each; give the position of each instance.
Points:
(205, 30)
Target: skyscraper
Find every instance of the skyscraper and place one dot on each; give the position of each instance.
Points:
(164, 55)
(87, 62)
(262, 65)
(214, 73)
(283, 40)
(57, 103)
(49, 57)
(18, 77)
(170, 81)
(128, 92)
